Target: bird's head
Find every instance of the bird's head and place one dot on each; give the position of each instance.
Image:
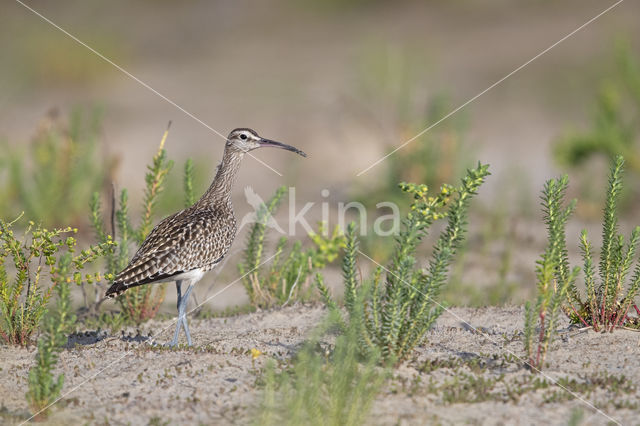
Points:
(246, 140)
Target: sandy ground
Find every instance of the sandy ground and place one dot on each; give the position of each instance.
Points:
(458, 376)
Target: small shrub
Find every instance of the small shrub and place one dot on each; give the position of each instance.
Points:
(553, 275)
(608, 300)
(48, 178)
(24, 264)
(398, 313)
(43, 388)
(287, 277)
(330, 387)
(139, 303)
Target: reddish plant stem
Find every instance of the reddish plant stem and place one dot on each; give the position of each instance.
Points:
(540, 338)
(615, 315)
(604, 303)
(579, 316)
(619, 320)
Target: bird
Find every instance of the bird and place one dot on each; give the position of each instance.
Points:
(191, 242)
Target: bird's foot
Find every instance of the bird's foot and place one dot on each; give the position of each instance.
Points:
(171, 344)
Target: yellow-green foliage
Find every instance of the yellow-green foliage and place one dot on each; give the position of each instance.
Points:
(553, 274)
(287, 276)
(43, 388)
(400, 301)
(609, 295)
(27, 264)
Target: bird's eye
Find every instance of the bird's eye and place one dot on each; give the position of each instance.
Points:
(243, 137)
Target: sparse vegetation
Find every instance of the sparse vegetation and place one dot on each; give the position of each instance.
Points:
(465, 382)
(323, 385)
(32, 265)
(287, 277)
(397, 314)
(392, 86)
(391, 81)
(553, 275)
(609, 298)
(614, 126)
(614, 129)
(49, 177)
(43, 388)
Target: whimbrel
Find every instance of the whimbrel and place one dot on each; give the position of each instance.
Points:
(185, 245)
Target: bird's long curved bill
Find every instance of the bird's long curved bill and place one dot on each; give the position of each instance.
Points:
(269, 142)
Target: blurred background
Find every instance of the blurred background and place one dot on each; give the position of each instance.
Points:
(346, 81)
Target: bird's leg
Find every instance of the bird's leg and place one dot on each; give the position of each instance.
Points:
(183, 318)
(175, 336)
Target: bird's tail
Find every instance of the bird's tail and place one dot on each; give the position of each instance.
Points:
(124, 284)
(116, 289)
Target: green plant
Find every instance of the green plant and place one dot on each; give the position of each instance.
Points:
(181, 190)
(437, 158)
(614, 130)
(43, 388)
(397, 315)
(288, 275)
(577, 415)
(608, 300)
(30, 259)
(392, 83)
(322, 387)
(189, 196)
(390, 80)
(140, 303)
(553, 274)
(615, 125)
(48, 178)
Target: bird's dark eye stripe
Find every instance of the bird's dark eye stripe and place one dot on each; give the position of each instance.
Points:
(243, 136)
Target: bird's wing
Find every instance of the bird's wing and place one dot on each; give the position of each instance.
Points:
(185, 241)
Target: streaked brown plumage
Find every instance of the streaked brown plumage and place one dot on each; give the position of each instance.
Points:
(185, 245)
(191, 239)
